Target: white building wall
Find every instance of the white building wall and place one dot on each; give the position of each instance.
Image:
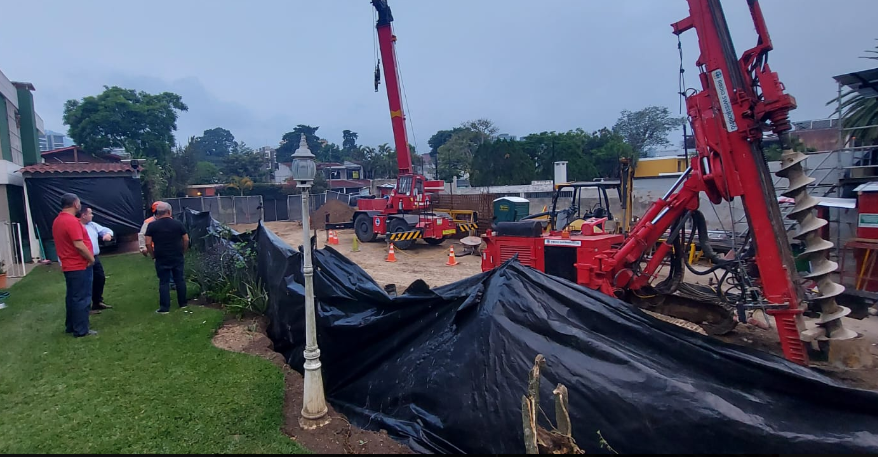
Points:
(8, 90)
(282, 174)
(14, 133)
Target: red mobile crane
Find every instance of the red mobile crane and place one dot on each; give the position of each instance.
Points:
(406, 215)
(739, 100)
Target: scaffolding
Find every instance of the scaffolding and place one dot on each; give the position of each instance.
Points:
(836, 171)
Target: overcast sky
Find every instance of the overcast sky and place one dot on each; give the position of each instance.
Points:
(258, 68)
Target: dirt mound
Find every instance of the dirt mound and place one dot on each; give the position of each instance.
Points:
(337, 211)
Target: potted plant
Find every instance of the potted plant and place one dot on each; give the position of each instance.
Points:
(2, 274)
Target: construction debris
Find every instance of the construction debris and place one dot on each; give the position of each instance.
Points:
(538, 440)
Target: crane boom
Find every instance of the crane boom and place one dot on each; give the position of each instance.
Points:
(387, 43)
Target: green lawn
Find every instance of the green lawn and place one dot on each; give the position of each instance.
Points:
(146, 384)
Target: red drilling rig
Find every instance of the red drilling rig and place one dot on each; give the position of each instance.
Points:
(741, 98)
(406, 215)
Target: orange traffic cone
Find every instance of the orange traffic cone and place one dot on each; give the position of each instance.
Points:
(333, 238)
(391, 256)
(452, 261)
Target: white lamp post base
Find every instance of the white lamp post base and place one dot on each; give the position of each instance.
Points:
(315, 413)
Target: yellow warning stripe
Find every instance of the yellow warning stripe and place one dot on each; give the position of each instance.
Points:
(467, 227)
(406, 236)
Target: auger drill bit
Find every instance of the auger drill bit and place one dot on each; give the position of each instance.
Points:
(816, 248)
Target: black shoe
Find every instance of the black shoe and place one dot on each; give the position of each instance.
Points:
(94, 311)
(184, 306)
(162, 312)
(101, 306)
(90, 333)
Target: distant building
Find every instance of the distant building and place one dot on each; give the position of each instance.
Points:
(269, 155)
(660, 167)
(346, 177)
(283, 172)
(506, 136)
(428, 168)
(54, 140)
(346, 170)
(20, 128)
(820, 134)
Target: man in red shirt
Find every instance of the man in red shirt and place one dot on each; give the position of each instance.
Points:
(75, 255)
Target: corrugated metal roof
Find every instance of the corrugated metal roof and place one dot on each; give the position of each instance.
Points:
(63, 168)
(348, 183)
(868, 187)
(864, 82)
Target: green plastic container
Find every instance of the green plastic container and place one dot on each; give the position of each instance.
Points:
(802, 265)
(510, 209)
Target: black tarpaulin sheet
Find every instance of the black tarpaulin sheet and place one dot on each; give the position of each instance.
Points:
(116, 201)
(444, 370)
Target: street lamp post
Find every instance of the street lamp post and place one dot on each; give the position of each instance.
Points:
(314, 410)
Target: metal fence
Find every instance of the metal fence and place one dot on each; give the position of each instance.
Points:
(228, 210)
(250, 209)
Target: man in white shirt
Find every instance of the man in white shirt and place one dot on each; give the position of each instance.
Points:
(141, 237)
(96, 232)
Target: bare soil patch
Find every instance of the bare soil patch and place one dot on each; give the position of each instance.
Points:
(339, 437)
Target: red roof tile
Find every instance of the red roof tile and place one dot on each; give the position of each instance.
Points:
(107, 167)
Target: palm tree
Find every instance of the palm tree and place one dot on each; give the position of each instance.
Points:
(240, 184)
(859, 111)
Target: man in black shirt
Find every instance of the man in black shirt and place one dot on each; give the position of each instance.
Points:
(166, 242)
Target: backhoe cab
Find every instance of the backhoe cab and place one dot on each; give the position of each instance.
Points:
(579, 204)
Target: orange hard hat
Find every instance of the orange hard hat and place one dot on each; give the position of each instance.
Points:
(155, 206)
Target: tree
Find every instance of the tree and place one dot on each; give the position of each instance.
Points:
(501, 163)
(215, 144)
(319, 185)
(438, 140)
(485, 127)
(290, 142)
(349, 141)
(243, 162)
(206, 173)
(455, 156)
(384, 162)
(181, 169)
(329, 152)
(548, 147)
(859, 112)
(606, 148)
(647, 129)
(240, 184)
(142, 123)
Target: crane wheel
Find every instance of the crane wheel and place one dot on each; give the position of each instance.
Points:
(364, 229)
(400, 226)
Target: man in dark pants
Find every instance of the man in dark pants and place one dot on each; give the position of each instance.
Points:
(167, 241)
(75, 255)
(96, 233)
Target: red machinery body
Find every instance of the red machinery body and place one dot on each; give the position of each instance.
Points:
(740, 98)
(572, 257)
(411, 197)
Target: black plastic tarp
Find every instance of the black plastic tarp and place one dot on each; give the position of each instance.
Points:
(444, 370)
(117, 201)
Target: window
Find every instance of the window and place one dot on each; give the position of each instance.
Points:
(405, 185)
